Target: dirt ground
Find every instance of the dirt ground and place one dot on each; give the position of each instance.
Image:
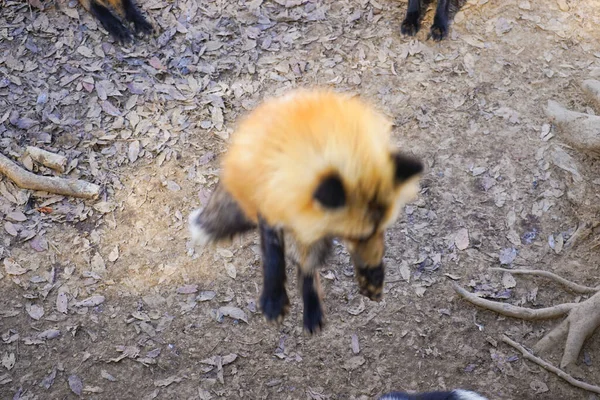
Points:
(107, 299)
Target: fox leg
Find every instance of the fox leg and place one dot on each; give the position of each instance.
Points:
(222, 218)
(439, 29)
(367, 257)
(274, 300)
(310, 258)
(133, 14)
(412, 21)
(101, 11)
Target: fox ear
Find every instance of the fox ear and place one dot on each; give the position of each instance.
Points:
(406, 167)
(330, 193)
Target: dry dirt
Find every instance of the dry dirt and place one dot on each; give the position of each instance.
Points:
(148, 124)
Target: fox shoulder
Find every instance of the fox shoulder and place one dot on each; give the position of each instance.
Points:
(318, 162)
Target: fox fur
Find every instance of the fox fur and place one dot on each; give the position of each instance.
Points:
(105, 10)
(458, 394)
(305, 168)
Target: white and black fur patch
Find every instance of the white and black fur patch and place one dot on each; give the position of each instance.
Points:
(458, 394)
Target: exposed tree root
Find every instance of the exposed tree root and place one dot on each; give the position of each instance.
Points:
(580, 130)
(581, 321)
(48, 159)
(546, 365)
(575, 287)
(27, 180)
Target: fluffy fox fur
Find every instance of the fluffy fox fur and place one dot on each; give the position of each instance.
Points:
(124, 9)
(458, 394)
(305, 168)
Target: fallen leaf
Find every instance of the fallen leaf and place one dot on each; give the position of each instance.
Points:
(16, 216)
(224, 360)
(8, 361)
(104, 207)
(538, 386)
(233, 312)
(508, 281)
(9, 227)
(206, 295)
(507, 256)
(355, 345)
(114, 254)
(49, 334)
(353, 363)
(107, 376)
(187, 289)
(36, 312)
(91, 301)
(12, 268)
(461, 239)
(405, 271)
(48, 380)
(75, 384)
(231, 271)
(61, 302)
(134, 150)
(166, 382)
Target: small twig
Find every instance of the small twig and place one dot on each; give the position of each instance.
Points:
(546, 365)
(27, 180)
(577, 288)
(513, 311)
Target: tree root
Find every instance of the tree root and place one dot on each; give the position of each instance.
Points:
(27, 180)
(48, 159)
(546, 365)
(575, 287)
(581, 321)
(580, 130)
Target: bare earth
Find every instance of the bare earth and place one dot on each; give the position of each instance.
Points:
(148, 124)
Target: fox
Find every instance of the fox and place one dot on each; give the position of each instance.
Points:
(458, 394)
(412, 22)
(304, 169)
(105, 10)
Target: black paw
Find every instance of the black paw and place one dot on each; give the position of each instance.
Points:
(410, 25)
(118, 31)
(275, 306)
(313, 317)
(439, 30)
(370, 282)
(141, 25)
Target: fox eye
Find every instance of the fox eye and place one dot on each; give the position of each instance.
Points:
(330, 193)
(406, 167)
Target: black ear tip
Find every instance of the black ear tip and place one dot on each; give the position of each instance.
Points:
(330, 192)
(407, 166)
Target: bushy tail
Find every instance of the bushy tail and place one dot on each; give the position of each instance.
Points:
(222, 218)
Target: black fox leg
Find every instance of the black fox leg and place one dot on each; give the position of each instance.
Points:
(311, 297)
(109, 21)
(411, 24)
(222, 218)
(311, 258)
(439, 29)
(274, 300)
(133, 14)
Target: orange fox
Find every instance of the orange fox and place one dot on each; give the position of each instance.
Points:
(125, 9)
(306, 168)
